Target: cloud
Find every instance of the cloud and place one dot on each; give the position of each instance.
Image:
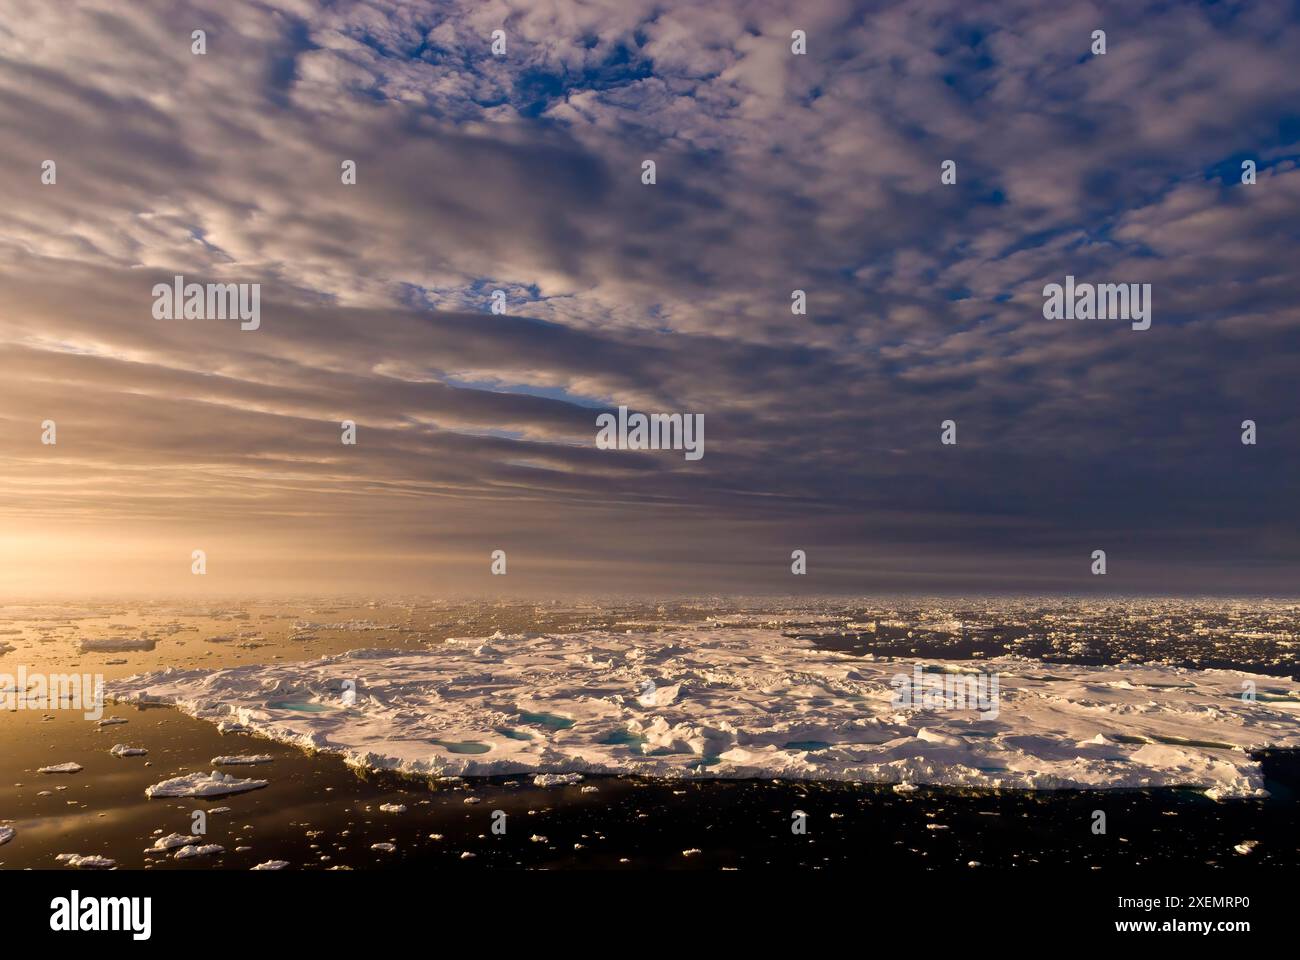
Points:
(775, 173)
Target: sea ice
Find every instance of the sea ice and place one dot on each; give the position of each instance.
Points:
(117, 645)
(747, 701)
(90, 862)
(169, 842)
(556, 779)
(243, 759)
(62, 768)
(122, 750)
(271, 865)
(214, 784)
(6, 834)
(190, 851)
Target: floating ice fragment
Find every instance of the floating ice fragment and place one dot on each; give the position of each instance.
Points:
(89, 862)
(169, 842)
(246, 759)
(383, 847)
(6, 834)
(393, 807)
(122, 750)
(556, 779)
(191, 851)
(214, 784)
(271, 865)
(62, 768)
(117, 645)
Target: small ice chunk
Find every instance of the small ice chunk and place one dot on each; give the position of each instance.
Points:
(214, 784)
(169, 842)
(393, 807)
(6, 834)
(383, 847)
(62, 768)
(271, 865)
(90, 862)
(117, 645)
(692, 852)
(555, 779)
(243, 758)
(122, 750)
(110, 721)
(1246, 847)
(191, 851)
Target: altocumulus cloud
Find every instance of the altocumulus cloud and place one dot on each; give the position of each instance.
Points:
(774, 173)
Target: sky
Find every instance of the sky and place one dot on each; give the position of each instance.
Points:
(522, 171)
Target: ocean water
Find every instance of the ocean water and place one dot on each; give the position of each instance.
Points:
(318, 812)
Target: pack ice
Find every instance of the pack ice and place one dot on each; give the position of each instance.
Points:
(737, 701)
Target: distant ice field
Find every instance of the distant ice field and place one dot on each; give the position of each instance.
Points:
(739, 701)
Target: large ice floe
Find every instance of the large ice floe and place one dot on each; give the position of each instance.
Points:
(741, 701)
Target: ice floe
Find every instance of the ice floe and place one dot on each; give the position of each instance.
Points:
(191, 851)
(169, 842)
(246, 759)
(6, 834)
(271, 865)
(556, 779)
(214, 784)
(122, 750)
(62, 768)
(743, 701)
(89, 862)
(117, 645)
